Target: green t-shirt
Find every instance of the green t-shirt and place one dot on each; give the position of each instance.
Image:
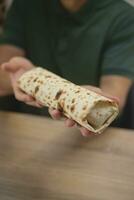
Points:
(81, 46)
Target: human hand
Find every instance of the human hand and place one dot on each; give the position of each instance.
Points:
(16, 67)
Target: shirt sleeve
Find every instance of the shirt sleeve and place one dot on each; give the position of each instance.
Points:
(14, 27)
(118, 56)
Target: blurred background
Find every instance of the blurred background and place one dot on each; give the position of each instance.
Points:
(4, 5)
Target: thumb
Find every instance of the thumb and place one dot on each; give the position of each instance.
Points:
(9, 68)
(16, 63)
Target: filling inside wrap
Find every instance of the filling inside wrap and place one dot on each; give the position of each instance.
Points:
(100, 114)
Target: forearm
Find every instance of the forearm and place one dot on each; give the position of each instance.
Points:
(6, 53)
(116, 86)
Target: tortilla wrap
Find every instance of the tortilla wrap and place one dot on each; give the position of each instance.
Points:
(89, 109)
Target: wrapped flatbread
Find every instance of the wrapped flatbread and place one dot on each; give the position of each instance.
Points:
(87, 108)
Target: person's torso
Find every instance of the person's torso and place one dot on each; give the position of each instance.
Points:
(70, 45)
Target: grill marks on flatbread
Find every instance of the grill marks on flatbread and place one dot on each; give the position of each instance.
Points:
(87, 108)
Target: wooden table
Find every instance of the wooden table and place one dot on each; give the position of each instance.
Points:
(40, 159)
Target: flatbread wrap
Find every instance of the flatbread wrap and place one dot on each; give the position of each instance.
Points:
(89, 109)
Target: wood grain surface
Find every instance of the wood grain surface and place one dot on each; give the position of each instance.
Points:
(40, 159)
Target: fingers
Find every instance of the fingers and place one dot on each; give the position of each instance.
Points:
(6, 67)
(10, 67)
(85, 132)
(16, 67)
(99, 91)
(55, 114)
(114, 98)
(93, 88)
(21, 96)
(22, 62)
(69, 123)
(16, 63)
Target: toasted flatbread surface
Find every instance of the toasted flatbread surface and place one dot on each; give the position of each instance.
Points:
(89, 109)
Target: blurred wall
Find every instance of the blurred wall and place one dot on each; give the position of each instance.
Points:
(4, 5)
